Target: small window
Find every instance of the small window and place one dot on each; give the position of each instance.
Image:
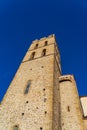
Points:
(27, 88)
(16, 128)
(68, 108)
(46, 42)
(36, 46)
(32, 56)
(44, 52)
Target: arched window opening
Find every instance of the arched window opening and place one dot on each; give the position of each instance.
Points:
(15, 127)
(27, 88)
(32, 56)
(36, 46)
(44, 52)
(46, 42)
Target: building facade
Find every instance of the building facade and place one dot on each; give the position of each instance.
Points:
(39, 97)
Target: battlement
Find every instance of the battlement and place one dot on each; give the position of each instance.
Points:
(44, 38)
(43, 42)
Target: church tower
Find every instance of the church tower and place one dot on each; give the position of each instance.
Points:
(32, 101)
(39, 97)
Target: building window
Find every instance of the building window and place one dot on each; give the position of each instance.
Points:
(68, 108)
(46, 42)
(15, 127)
(36, 46)
(27, 88)
(44, 52)
(32, 56)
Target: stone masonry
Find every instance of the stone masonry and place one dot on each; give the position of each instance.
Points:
(39, 97)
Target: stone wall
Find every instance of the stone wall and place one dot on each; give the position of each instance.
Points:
(33, 110)
(56, 93)
(71, 113)
(39, 98)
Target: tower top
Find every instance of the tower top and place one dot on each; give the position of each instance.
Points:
(44, 38)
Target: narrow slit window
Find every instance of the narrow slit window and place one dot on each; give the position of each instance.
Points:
(46, 42)
(16, 128)
(68, 108)
(27, 88)
(32, 56)
(44, 52)
(36, 46)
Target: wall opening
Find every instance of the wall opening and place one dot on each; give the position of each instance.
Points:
(22, 114)
(16, 127)
(44, 89)
(45, 112)
(68, 108)
(32, 56)
(41, 128)
(36, 46)
(45, 99)
(27, 88)
(46, 42)
(44, 52)
(26, 101)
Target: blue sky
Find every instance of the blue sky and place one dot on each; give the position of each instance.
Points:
(22, 21)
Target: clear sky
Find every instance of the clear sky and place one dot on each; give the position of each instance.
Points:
(22, 21)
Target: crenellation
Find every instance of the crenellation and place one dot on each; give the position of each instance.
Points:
(42, 39)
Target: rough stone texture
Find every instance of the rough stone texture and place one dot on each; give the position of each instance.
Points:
(71, 113)
(36, 110)
(56, 96)
(52, 102)
(85, 123)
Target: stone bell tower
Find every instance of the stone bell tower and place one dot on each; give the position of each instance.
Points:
(39, 97)
(32, 101)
